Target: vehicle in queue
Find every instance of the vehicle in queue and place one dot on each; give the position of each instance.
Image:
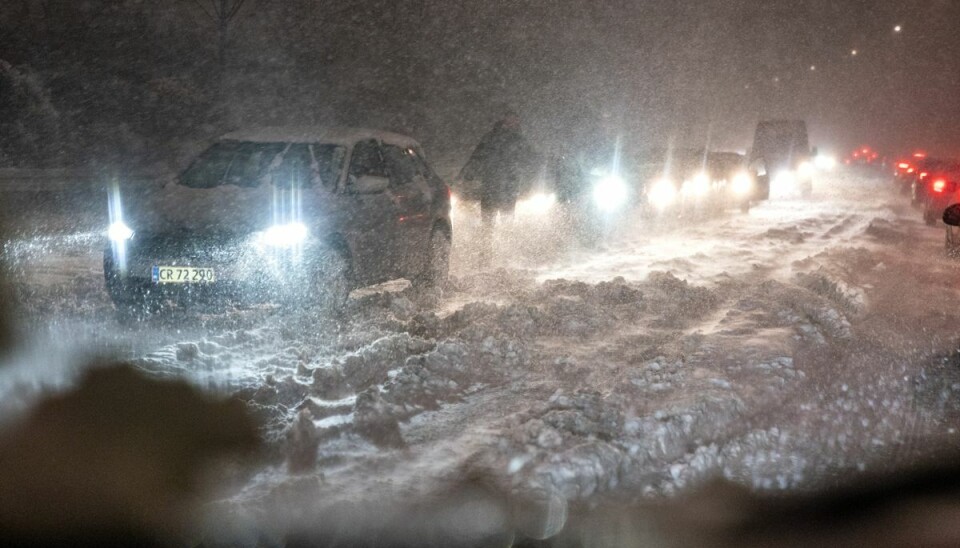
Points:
(294, 215)
(732, 179)
(942, 188)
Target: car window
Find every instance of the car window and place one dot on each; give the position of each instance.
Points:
(402, 163)
(304, 165)
(232, 163)
(367, 159)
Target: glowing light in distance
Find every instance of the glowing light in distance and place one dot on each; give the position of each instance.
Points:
(610, 193)
(939, 185)
(825, 162)
(805, 169)
(742, 183)
(785, 179)
(662, 194)
(537, 204)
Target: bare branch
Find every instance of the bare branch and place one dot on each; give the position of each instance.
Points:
(237, 5)
(204, 10)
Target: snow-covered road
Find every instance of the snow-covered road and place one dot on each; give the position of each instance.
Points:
(780, 349)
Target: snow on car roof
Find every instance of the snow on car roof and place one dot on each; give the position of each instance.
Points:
(310, 134)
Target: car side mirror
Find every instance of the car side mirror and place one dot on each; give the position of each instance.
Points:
(951, 216)
(369, 184)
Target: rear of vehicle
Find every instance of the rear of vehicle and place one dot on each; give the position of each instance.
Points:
(781, 156)
(942, 188)
(921, 180)
(297, 216)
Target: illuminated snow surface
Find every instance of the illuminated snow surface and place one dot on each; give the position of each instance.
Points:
(781, 349)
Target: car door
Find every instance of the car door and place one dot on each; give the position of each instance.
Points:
(370, 219)
(413, 196)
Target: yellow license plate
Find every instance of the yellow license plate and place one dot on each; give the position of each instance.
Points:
(182, 275)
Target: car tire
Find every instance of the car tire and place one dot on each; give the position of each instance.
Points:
(437, 268)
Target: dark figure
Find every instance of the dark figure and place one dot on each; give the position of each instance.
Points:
(500, 162)
(569, 179)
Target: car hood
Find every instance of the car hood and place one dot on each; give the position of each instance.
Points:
(224, 209)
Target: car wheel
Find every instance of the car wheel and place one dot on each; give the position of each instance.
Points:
(438, 262)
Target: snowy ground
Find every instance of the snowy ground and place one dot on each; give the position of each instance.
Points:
(782, 349)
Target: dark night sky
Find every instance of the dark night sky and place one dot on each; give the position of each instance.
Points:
(676, 68)
(650, 71)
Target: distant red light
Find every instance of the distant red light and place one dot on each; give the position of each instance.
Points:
(939, 185)
(865, 150)
(903, 165)
(911, 170)
(919, 154)
(923, 174)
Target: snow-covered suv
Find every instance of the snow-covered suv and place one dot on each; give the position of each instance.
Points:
(303, 214)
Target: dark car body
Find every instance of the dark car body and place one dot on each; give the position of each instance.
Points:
(925, 172)
(665, 176)
(267, 210)
(939, 189)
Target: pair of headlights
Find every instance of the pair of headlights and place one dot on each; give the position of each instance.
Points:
(277, 236)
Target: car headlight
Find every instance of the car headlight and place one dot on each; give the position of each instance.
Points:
(610, 193)
(662, 193)
(119, 232)
(283, 235)
(536, 204)
(805, 169)
(741, 183)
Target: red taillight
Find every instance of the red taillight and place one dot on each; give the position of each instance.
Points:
(911, 170)
(939, 185)
(923, 174)
(903, 165)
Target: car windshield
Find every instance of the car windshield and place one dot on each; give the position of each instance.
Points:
(250, 164)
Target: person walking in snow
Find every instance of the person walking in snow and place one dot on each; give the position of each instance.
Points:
(500, 163)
